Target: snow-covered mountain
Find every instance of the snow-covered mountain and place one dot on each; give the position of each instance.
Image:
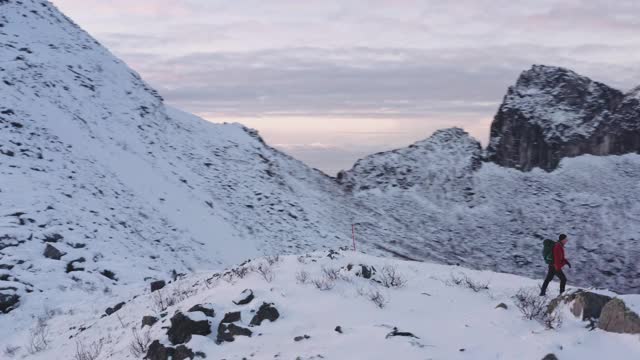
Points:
(103, 187)
(552, 113)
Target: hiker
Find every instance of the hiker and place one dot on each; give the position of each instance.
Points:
(554, 256)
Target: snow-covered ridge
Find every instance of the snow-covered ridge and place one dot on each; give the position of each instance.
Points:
(328, 305)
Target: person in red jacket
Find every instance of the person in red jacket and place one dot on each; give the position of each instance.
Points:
(555, 269)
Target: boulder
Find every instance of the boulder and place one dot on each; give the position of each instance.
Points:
(588, 305)
(53, 238)
(149, 321)
(266, 312)
(617, 317)
(8, 302)
(245, 297)
(338, 329)
(550, 357)
(232, 317)
(502, 306)
(51, 252)
(182, 328)
(157, 285)
(206, 311)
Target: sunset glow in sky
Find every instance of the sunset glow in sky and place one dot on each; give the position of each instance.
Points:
(329, 81)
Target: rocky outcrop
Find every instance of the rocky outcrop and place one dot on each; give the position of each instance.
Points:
(266, 312)
(51, 252)
(584, 304)
(617, 317)
(552, 113)
(8, 302)
(441, 165)
(157, 351)
(182, 328)
(157, 285)
(207, 311)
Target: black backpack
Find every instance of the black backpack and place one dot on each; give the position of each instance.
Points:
(547, 251)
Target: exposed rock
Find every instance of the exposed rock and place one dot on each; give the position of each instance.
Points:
(266, 312)
(245, 297)
(552, 113)
(71, 265)
(8, 302)
(157, 285)
(227, 333)
(112, 310)
(232, 317)
(586, 304)
(617, 317)
(550, 357)
(338, 329)
(366, 272)
(182, 328)
(157, 351)
(395, 332)
(149, 321)
(53, 238)
(52, 253)
(207, 311)
(300, 338)
(589, 305)
(502, 306)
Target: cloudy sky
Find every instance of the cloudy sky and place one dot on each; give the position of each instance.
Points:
(330, 81)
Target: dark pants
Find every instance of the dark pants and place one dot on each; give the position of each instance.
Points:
(550, 274)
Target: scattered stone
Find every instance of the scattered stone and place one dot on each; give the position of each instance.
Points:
(109, 274)
(6, 267)
(550, 357)
(8, 302)
(227, 333)
(338, 329)
(157, 285)
(618, 318)
(502, 306)
(300, 338)
(366, 272)
(395, 332)
(182, 328)
(265, 312)
(149, 321)
(206, 311)
(51, 252)
(232, 317)
(245, 297)
(53, 238)
(71, 265)
(112, 310)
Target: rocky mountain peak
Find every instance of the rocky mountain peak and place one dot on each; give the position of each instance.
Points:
(552, 113)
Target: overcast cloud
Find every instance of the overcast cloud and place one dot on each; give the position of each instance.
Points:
(419, 65)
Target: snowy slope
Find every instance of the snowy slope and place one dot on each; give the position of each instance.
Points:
(448, 320)
(93, 164)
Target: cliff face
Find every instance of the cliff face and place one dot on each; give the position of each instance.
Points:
(552, 113)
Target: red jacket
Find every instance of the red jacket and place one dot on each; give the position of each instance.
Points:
(558, 256)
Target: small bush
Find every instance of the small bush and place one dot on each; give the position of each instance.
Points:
(266, 271)
(323, 284)
(331, 274)
(88, 352)
(552, 320)
(272, 260)
(465, 281)
(302, 277)
(391, 278)
(378, 298)
(531, 305)
(39, 337)
(139, 345)
(241, 272)
(162, 300)
(11, 351)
